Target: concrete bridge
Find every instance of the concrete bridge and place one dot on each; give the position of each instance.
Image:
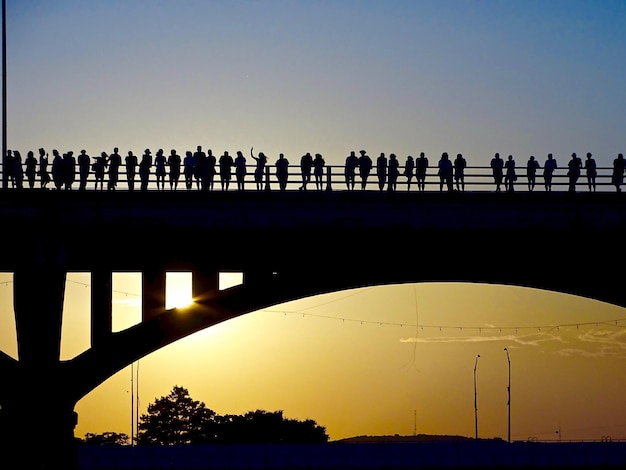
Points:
(287, 245)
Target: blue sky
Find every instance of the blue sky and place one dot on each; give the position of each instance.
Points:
(476, 77)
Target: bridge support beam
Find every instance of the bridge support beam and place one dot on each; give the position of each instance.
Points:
(37, 417)
(152, 292)
(101, 305)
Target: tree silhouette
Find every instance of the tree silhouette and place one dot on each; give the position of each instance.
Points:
(118, 438)
(178, 419)
(267, 427)
(175, 419)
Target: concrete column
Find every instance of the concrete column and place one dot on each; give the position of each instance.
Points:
(101, 305)
(152, 292)
(38, 295)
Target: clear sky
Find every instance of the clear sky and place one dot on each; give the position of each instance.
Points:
(476, 77)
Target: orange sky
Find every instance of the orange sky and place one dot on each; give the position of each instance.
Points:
(378, 360)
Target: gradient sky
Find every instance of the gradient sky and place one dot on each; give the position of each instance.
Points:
(476, 77)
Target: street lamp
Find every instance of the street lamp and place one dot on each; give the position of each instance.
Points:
(508, 389)
(475, 402)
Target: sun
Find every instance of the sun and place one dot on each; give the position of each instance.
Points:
(178, 293)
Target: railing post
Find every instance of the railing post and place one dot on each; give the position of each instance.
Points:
(267, 178)
(328, 178)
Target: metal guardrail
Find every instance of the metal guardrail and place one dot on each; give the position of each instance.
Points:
(476, 178)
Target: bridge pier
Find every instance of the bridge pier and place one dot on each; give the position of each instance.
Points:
(37, 417)
(101, 305)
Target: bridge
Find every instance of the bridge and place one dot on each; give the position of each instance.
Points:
(288, 245)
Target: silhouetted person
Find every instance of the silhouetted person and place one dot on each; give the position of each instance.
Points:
(349, 171)
(18, 170)
(144, 169)
(409, 170)
(445, 172)
(548, 171)
(160, 160)
(459, 172)
(57, 169)
(617, 178)
(30, 169)
(226, 164)
(84, 164)
(200, 170)
(421, 165)
(574, 167)
(393, 172)
(44, 176)
(69, 170)
(318, 170)
(208, 170)
(99, 167)
(306, 165)
(532, 165)
(381, 170)
(591, 172)
(259, 171)
(282, 172)
(131, 169)
(365, 167)
(497, 166)
(241, 170)
(8, 168)
(174, 162)
(115, 162)
(189, 169)
(510, 176)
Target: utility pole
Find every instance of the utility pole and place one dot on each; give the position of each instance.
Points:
(475, 401)
(132, 407)
(508, 389)
(4, 94)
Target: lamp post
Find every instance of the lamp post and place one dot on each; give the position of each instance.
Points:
(508, 403)
(475, 401)
(4, 94)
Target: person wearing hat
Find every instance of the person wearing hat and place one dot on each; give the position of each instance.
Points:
(84, 163)
(144, 169)
(365, 166)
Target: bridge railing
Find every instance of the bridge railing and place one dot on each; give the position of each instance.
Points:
(476, 178)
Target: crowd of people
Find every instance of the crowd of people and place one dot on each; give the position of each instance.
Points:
(451, 173)
(199, 170)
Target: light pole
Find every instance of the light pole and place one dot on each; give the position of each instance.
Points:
(4, 94)
(475, 401)
(508, 403)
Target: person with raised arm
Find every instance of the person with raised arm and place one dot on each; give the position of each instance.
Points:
(259, 171)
